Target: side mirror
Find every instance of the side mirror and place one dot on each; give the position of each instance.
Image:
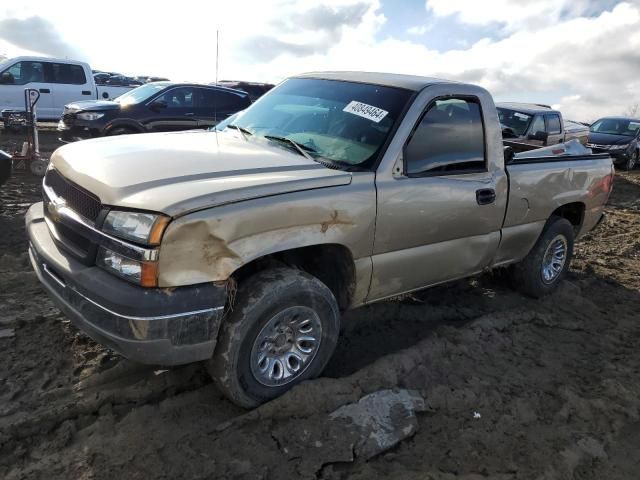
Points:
(539, 135)
(508, 132)
(158, 105)
(508, 155)
(6, 78)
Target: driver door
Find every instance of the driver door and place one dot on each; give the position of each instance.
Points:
(440, 217)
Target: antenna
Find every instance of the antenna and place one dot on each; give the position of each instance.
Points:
(217, 44)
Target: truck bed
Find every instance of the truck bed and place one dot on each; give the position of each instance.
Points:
(538, 185)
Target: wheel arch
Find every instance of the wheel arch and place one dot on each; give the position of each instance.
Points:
(123, 123)
(574, 212)
(331, 263)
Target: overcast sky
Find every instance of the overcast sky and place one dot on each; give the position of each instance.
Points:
(580, 55)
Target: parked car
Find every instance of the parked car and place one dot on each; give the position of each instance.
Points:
(146, 79)
(335, 190)
(101, 78)
(527, 126)
(123, 80)
(254, 89)
(153, 107)
(617, 136)
(59, 82)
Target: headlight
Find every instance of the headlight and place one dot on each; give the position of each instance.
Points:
(90, 116)
(619, 147)
(144, 274)
(137, 226)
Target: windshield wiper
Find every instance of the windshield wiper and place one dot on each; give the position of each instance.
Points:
(303, 149)
(243, 131)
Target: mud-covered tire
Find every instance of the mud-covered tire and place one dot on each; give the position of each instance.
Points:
(38, 167)
(259, 300)
(528, 276)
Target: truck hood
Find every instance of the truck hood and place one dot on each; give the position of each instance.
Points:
(608, 139)
(177, 173)
(92, 105)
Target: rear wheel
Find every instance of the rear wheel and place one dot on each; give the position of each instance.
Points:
(548, 261)
(282, 329)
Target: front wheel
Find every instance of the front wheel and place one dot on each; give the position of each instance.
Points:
(632, 161)
(122, 131)
(282, 329)
(540, 272)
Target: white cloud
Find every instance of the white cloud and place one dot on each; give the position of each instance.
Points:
(417, 30)
(515, 15)
(549, 53)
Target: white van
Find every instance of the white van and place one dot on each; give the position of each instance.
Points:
(58, 81)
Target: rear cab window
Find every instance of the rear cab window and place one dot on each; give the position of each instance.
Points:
(553, 124)
(448, 139)
(65, 73)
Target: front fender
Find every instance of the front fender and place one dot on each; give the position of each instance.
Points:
(210, 245)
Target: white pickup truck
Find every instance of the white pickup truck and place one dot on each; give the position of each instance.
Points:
(58, 81)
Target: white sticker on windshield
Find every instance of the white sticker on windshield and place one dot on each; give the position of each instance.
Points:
(521, 115)
(363, 110)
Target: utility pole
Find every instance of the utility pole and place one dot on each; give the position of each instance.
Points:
(217, 50)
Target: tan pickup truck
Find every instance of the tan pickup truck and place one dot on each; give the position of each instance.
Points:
(241, 247)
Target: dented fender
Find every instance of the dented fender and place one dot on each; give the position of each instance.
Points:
(209, 245)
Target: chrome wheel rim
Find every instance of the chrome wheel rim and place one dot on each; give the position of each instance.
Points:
(286, 346)
(554, 259)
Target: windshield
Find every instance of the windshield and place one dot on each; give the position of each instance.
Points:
(616, 126)
(518, 122)
(140, 94)
(339, 121)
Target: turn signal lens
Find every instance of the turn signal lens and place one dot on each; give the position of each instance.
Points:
(144, 274)
(157, 230)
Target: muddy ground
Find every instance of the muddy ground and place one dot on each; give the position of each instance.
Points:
(514, 388)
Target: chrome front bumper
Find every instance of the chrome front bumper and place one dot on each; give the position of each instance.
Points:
(148, 325)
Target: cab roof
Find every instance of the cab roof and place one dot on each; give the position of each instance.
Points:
(531, 108)
(407, 82)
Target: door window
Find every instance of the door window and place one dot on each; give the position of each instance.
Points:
(538, 125)
(65, 73)
(24, 72)
(223, 101)
(553, 124)
(182, 97)
(448, 139)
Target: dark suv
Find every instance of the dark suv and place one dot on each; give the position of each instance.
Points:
(617, 136)
(153, 107)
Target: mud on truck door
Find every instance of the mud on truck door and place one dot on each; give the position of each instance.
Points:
(440, 212)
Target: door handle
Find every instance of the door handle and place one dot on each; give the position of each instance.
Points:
(189, 114)
(485, 196)
(45, 90)
(86, 92)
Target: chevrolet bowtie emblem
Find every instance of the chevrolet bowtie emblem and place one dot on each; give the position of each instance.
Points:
(54, 207)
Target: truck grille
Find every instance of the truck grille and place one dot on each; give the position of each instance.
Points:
(78, 199)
